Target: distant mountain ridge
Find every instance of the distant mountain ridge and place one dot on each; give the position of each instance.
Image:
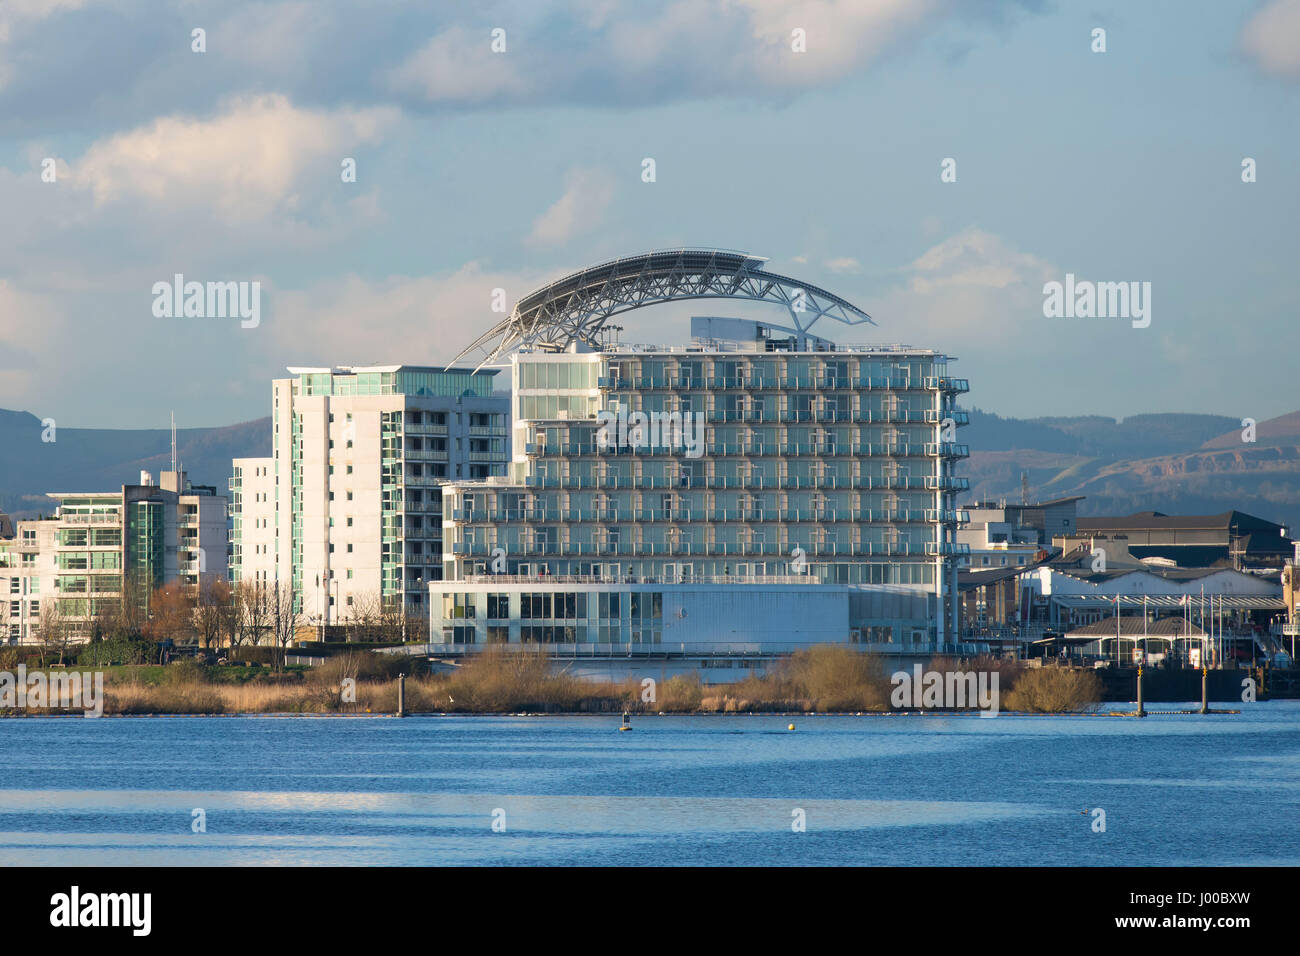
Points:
(99, 459)
(1175, 463)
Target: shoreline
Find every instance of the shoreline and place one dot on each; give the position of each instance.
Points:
(1212, 712)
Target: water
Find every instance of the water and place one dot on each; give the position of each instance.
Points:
(1176, 790)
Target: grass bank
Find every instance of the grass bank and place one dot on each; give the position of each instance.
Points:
(818, 680)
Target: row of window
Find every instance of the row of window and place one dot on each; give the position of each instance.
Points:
(557, 605)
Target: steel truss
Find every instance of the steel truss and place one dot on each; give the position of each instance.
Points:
(576, 307)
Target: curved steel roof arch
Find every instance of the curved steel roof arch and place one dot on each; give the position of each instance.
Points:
(576, 307)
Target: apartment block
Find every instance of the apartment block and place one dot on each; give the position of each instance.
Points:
(348, 508)
(100, 547)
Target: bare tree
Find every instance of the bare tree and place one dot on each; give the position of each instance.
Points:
(391, 624)
(171, 613)
(213, 610)
(366, 616)
(252, 618)
(56, 630)
(131, 614)
(285, 618)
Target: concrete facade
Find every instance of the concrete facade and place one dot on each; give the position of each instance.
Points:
(348, 507)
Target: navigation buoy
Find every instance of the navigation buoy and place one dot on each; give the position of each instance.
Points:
(627, 721)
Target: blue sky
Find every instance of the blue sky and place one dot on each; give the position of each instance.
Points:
(479, 170)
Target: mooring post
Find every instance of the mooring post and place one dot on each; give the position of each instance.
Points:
(1205, 696)
(401, 695)
(1140, 711)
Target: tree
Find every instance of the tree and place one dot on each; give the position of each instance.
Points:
(55, 630)
(391, 625)
(171, 613)
(285, 618)
(130, 614)
(252, 613)
(214, 608)
(365, 617)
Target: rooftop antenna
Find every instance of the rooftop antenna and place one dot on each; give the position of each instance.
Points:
(174, 441)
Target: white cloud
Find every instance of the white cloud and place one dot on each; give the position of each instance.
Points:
(966, 291)
(1272, 38)
(841, 34)
(678, 48)
(458, 66)
(974, 259)
(253, 155)
(587, 195)
(844, 265)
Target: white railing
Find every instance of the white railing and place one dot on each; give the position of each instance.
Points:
(561, 579)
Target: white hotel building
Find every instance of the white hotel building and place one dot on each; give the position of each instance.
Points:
(819, 509)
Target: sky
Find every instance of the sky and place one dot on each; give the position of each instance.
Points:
(481, 168)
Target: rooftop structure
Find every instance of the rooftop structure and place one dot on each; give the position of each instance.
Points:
(1231, 539)
(572, 311)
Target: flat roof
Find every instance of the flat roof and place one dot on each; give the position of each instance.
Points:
(358, 369)
(1157, 520)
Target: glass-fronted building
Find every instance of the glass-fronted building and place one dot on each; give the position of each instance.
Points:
(743, 464)
(102, 548)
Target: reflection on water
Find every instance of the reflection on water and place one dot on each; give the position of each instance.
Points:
(1181, 790)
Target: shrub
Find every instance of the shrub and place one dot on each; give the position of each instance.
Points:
(359, 666)
(834, 677)
(183, 672)
(1054, 690)
(679, 693)
(117, 650)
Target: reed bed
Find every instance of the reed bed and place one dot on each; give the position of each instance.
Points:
(828, 679)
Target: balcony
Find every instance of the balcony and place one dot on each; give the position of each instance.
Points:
(946, 548)
(427, 429)
(112, 519)
(947, 450)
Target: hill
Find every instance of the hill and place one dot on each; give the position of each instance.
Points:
(1178, 464)
(97, 459)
